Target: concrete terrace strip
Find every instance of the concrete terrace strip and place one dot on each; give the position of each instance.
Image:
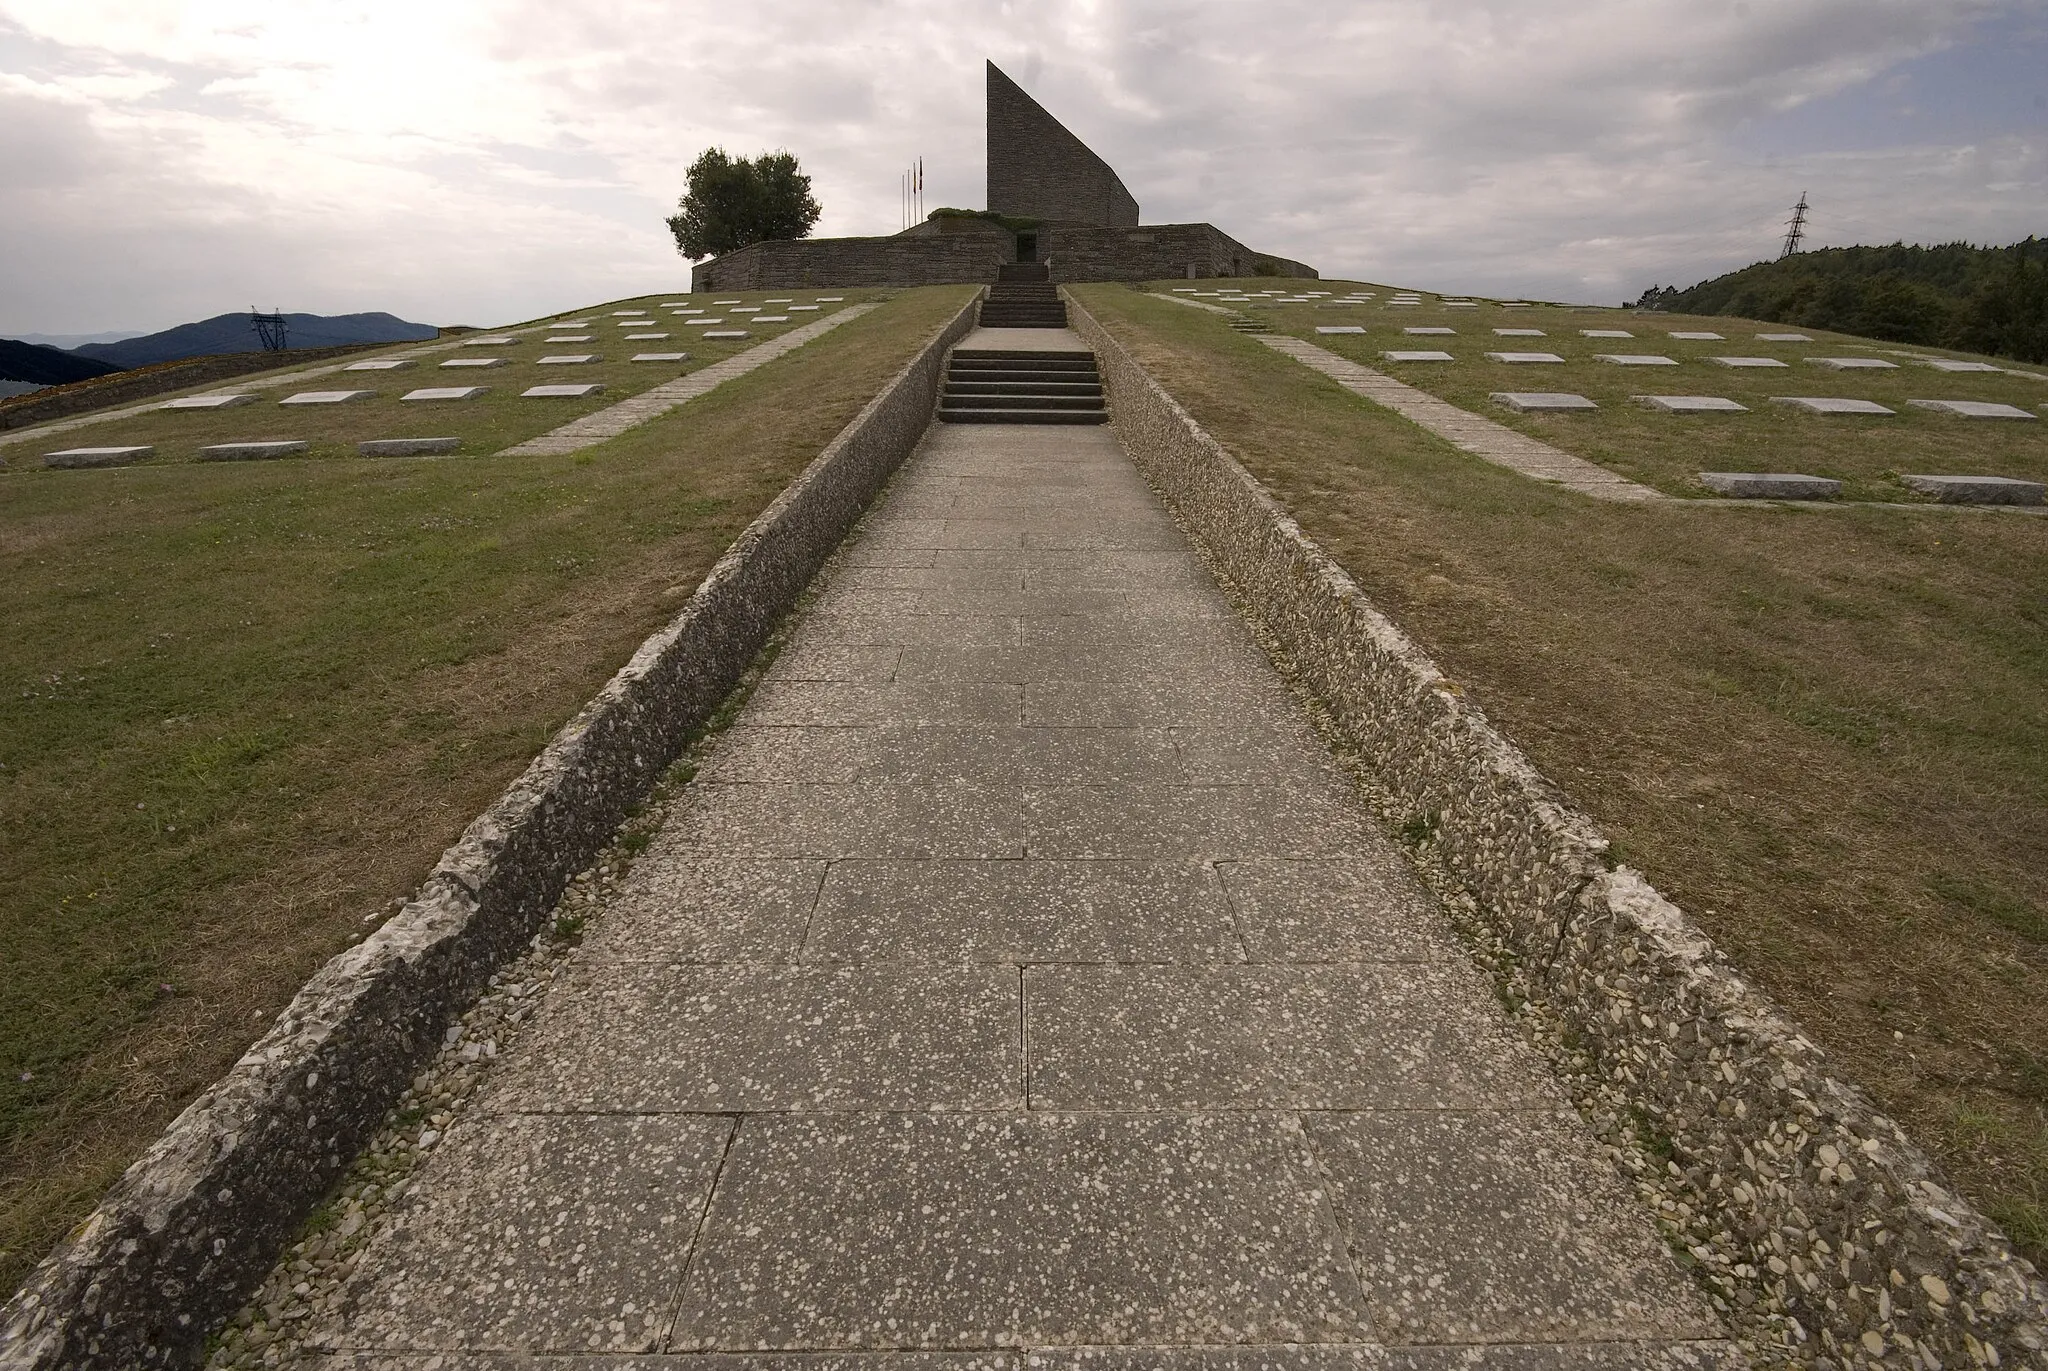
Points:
(613, 420)
(1483, 438)
(258, 381)
(1021, 973)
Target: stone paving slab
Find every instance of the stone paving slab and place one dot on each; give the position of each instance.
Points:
(1032, 991)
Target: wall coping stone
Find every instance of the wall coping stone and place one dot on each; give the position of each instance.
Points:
(197, 1222)
(1764, 1137)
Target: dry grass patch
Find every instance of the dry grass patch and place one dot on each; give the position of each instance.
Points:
(243, 708)
(1821, 732)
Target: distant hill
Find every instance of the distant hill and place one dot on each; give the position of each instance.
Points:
(1991, 300)
(38, 365)
(231, 333)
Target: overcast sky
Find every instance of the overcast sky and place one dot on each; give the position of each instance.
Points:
(480, 161)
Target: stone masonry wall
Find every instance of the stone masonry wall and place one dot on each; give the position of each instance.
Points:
(1152, 252)
(1039, 170)
(189, 1230)
(1830, 1212)
(899, 260)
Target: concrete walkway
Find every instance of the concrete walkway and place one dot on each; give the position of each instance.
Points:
(1019, 984)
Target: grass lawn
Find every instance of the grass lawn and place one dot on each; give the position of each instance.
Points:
(1668, 451)
(490, 422)
(1820, 731)
(244, 706)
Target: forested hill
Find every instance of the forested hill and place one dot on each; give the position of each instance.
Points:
(1992, 300)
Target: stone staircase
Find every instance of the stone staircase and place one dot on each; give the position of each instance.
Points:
(1023, 297)
(997, 386)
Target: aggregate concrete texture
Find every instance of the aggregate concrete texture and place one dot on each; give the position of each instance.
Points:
(1020, 983)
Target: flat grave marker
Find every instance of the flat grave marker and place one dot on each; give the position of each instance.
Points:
(382, 364)
(1689, 404)
(1427, 330)
(1854, 363)
(1830, 404)
(570, 359)
(1747, 362)
(746, 309)
(645, 337)
(406, 447)
(326, 397)
(474, 362)
(1973, 409)
(705, 323)
(1538, 401)
(1770, 485)
(1605, 333)
(1978, 490)
(1519, 333)
(767, 319)
(626, 313)
(570, 338)
(444, 393)
(1783, 338)
(85, 458)
(728, 302)
(829, 299)
(726, 333)
(801, 309)
(1634, 359)
(1461, 304)
(1951, 364)
(1697, 337)
(1521, 358)
(494, 340)
(661, 356)
(209, 402)
(562, 392)
(1418, 356)
(1340, 328)
(252, 452)
(570, 323)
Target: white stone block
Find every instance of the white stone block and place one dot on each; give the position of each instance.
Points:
(251, 452)
(1605, 333)
(726, 333)
(474, 362)
(771, 318)
(570, 338)
(208, 402)
(570, 359)
(728, 302)
(561, 392)
(1518, 333)
(382, 364)
(704, 323)
(626, 313)
(1185, 290)
(1634, 359)
(1972, 409)
(1530, 402)
(1461, 304)
(80, 458)
(645, 337)
(1697, 337)
(1828, 404)
(1340, 328)
(801, 309)
(1420, 331)
(746, 309)
(673, 304)
(570, 323)
(406, 447)
(684, 313)
(1978, 490)
(1523, 357)
(326, 397)
(779, 300)
(1747, 362)
(830, 299)
(1689, 404)
(1854, 363)
(1403, 304)
(1783, 338)
(1770, 485)
(493, 340)
(661, 356)
(1418, 356)
(1951, 364)
(445, 393)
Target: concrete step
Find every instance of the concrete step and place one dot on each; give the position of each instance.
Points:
(955, 402)
(1024, 416)
(1016, 354)
(1022, 387)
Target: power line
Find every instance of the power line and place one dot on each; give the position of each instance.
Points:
(1797, 230)
(270, 328)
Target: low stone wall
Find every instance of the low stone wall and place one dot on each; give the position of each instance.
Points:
(1154, 252)
(187, 1233)
(1834, 1215)
(898, 260)
(118, 388)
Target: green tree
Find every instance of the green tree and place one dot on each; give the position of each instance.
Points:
(729, 202)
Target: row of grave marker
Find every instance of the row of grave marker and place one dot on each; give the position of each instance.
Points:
(1530, 402)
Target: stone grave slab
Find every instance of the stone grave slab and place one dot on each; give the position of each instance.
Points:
(1539, 401)
(1770, 485)
(1951, 364)
(1524, 357)
(704, 323)
(746, 309)
(81, 458)
(491, 340)
(1854, 363)
(252, 452)
(1418, 332)
(726, 333)
(1185, 290)
(661, 356)
(778, 299)
(1784, 338)
(1746, 362)
(571, 359)
(406, 447)
(1519, 333)
(1402, 304)
(764, 319)
(1340, 328)
(728, 302)
(209, 402)
(570, 338)
(1634, 359)
(829, 299)
(562, 392)
(1605, 333)
(445, 393)
(1461, 304)
(626, 313)
(1418, 356)
(474, 362)
(1978, 490)
(1514, 304)
(1972, 409)
(327, 397)
(570, 323)
(1689, 404)
(382, 364)
(1698, 337)
(803, 309)
(1830, 404)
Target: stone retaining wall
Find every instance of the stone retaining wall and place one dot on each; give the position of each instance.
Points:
(118, 388)
(187, 1233)
(1834, 1215)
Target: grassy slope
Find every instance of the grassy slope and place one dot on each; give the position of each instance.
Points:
(1819, 731)
(243, 706)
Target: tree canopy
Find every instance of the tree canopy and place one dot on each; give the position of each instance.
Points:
(1986, 299)
(729, 202)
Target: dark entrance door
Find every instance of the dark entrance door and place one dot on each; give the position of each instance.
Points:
(1027, 247)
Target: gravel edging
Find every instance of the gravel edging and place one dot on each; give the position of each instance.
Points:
(1828, 1233)
(200, 1218)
